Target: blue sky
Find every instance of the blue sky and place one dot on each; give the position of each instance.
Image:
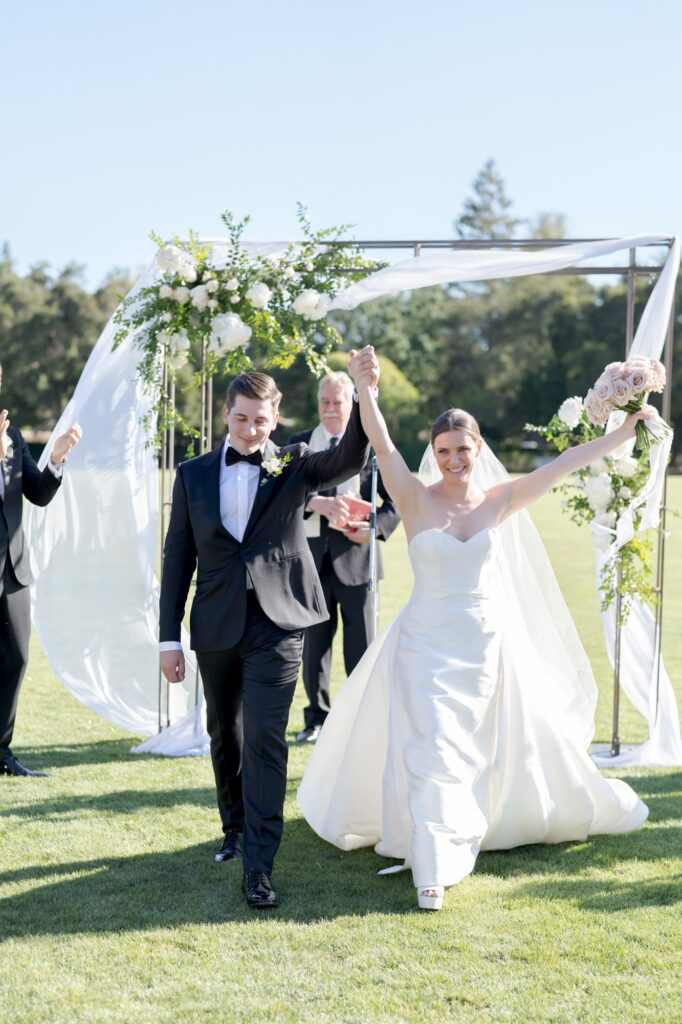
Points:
(119, 118)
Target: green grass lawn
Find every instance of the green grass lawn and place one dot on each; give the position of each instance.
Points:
(112, 909)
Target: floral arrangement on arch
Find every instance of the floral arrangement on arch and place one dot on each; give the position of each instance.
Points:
(244, 310)
(600, 492)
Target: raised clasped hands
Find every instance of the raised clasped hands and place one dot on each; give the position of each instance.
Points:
(5, 440)
(65, 443)
(363, 367)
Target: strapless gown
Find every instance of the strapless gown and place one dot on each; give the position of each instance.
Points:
(434, 749)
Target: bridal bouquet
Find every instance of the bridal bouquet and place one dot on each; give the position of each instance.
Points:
(237, 310)
(624, 386)
(597, 495)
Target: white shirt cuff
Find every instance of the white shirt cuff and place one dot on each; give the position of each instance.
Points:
(55, 470)
(169, 645)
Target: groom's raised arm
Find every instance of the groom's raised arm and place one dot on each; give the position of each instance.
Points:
(329, 468)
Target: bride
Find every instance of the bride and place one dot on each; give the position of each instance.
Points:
(466, 724)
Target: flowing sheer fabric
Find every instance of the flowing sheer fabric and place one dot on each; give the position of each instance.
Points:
(95, 549)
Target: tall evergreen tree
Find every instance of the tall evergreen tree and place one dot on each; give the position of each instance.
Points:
(487, 212)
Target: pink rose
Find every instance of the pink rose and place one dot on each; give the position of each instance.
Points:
(622, 392)
(638, 380)
(596, 409)
(603, 388)
(616, 371)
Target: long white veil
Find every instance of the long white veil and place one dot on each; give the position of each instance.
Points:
(540, 642)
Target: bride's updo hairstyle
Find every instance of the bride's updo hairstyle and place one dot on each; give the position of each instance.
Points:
(455, 419)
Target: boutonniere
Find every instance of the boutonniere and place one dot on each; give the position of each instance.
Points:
(275, 465)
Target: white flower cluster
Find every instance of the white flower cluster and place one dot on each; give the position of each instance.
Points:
(178, 348)
(228, 331)
(570, 412)
(173, 262)
(311, 304)
(259, 295)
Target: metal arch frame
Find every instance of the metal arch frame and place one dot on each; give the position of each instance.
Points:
(630, 272)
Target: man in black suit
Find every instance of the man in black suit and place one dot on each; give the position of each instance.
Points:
(341, 557)
(19, 478)
(237, 515)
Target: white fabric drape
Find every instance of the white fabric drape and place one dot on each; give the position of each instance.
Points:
(95, 549)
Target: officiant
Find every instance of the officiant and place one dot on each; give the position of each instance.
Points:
(339, 542)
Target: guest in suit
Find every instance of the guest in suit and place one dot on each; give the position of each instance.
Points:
(19, 478)
(237, 516)
(341, 557)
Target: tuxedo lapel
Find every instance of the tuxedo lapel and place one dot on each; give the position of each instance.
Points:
(212, 487)
(266, 485)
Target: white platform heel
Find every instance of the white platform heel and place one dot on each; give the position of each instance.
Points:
(430, 897)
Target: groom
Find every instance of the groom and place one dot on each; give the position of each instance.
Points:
(238, 515)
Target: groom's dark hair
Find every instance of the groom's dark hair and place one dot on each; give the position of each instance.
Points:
(252, 384)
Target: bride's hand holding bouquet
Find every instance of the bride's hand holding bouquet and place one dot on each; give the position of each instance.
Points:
(624, 387)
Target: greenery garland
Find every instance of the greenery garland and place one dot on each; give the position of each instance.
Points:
(245, 310)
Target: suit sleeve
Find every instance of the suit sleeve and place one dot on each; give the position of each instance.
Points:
(388, 516)
(38, 485)
(330, 468)
(179, 561)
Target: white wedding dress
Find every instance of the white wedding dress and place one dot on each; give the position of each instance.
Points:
(448, 739)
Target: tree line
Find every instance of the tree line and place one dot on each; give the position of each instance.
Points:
(508, 351)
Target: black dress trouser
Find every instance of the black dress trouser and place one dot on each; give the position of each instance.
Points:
(15, 627)
(249, 689)
(355, 605)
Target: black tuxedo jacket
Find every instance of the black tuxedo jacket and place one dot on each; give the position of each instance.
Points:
(274, 551)
(22, 479)
(351, 561)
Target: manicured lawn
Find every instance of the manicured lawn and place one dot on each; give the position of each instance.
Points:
(113, 910)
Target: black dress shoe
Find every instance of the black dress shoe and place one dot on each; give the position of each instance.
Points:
(10, 766)
(259, 891)
(231, 847)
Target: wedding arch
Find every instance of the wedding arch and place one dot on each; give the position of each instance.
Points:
(95, 603)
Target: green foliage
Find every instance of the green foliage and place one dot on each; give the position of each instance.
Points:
(628, 570)
(486, 213)
(48, 326)
(232, 314)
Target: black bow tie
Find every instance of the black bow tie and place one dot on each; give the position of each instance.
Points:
(232, 456)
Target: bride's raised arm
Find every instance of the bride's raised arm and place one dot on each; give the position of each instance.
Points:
(403, 487)
(527, 489)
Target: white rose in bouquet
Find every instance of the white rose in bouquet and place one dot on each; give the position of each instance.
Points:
(235, 297)
(212, 303)
(570, 411)
(598, 491)
(625, 466)
(200, 296)
(598, 467)
(259, 295)
(624, 492)
(228, 331)
(607, 519)
(311, 304)
(175, 263)
(166, 318)
(212, 285)
(179, 349)
(165, 291)
(181, 294)
(289, 273)
(232, 284)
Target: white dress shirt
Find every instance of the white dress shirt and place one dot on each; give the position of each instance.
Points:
(238, 487)
(347, 486)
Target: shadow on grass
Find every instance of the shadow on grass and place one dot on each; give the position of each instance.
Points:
(124, 801)
(172, 888)
(70, 755)
(316, 882)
